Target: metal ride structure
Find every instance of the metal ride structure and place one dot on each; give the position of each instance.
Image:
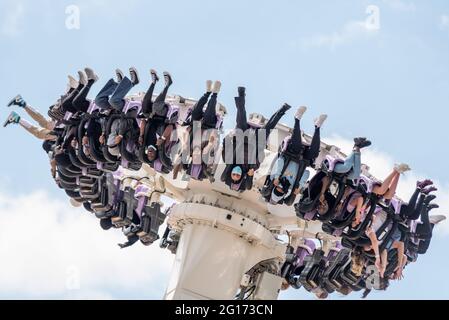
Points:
(226, 243)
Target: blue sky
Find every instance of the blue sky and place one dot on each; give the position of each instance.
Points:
(390, 84)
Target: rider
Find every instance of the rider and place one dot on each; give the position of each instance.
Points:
(285, 177)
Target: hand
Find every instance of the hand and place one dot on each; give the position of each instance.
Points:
(251, 172)
(276, 182)
(118, 139)
(159, 142)
(296, 191)
(378, 265)
(102, 139)
(85, 140)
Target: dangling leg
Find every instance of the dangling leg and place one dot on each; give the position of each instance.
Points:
(147, 103)
(241, 119)
(197, 112)
(382, 189)
(163, 95)
(272, 123)
(392, 188)
(117, 100)
(314, 150)
(408, 210)
(102, 99)
(210, 115)
(80, 102)
(295, 146)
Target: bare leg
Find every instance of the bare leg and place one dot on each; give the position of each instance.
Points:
(39, 118)
(382, 189)
(392, 189)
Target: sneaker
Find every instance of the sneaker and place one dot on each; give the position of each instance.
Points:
(432, 206)
(83, 78)
(423, 184)
(436, 219)
(300, 112)
(168, 79)
(242, 91)
(154, 76)
(320, 120)
(429, 190)
(429, 199)
(119, 74)
(12, 118)
(73, 83)
(91, 76)
(216, 87)
(209, 84)
(17, 101)
(285, 108)
(361, 142)
(134, 76)
(402, 168)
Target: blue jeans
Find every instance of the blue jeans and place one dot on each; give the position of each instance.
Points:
(102, 99)
(117, 99)
(352, 165)
(112, 95)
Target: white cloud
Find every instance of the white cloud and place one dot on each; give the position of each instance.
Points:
(12, 21)
(350, 32)
(45, 244)
(381, 165)
(400, 5)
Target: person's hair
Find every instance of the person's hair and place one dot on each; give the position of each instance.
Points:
(322, 295)
(345, 290)
(106, 224)
(358, 261)
(47, 145)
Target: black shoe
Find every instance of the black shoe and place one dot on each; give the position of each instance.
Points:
(430, 198)
(285, 108)
(17, 101)
(432, 206)
(134, 76)
(359, 140)
(154, 76)
(119, 75)
(242, 91)
(168, 79)
(362, 143)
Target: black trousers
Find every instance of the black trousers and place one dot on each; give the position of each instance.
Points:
(295, 146)
(80, 102)
(414, 207)
(242, 122)
(148, 104)
(209, 116)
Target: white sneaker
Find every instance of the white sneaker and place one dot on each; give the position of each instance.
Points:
(209, 85)
(91, 74)
(401, 168)
(72, 82)
(217, 86)
(320, 120)
(83, 78)
(119, 74)
(436, 219)
(300, 112)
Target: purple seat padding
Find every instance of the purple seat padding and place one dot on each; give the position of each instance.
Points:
(196, 171)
